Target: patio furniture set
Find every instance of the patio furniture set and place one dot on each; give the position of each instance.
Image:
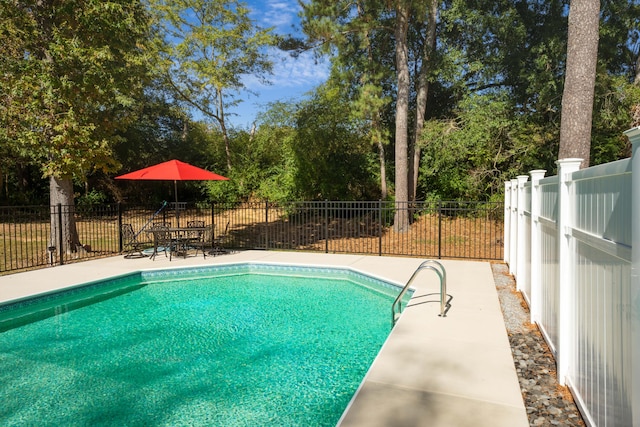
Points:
(173, 241)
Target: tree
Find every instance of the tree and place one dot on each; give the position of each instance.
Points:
(402, 9)
(332, 156)
(579, 83)
(207, 47)
(422, 82)
(355, 34)
(69, 77)
(381, 51)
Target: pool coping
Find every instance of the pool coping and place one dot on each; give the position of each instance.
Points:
(457, 370)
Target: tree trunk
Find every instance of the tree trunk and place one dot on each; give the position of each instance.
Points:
(61, 194)
(580, 77)
(401, 221)
(423, 92)
(381, 159)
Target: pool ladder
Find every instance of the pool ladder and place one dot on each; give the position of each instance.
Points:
(438, 268)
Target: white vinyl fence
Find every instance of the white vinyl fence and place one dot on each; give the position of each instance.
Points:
(572, 241)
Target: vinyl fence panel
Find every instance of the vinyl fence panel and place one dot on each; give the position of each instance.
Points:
(582, 282)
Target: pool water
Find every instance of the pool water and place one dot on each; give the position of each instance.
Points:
(243, 349)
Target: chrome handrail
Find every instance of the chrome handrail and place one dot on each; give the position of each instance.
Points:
(442, 274)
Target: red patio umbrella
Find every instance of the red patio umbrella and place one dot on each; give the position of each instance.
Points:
(174, 170)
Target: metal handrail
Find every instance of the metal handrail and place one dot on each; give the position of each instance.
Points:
(442, 274)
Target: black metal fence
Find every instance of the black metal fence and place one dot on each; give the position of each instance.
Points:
(37, 236)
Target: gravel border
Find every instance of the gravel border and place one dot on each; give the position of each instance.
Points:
(547, 403)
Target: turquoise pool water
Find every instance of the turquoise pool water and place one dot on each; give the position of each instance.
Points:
(239, 345)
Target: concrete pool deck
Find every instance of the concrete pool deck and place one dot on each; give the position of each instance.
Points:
(435, 371)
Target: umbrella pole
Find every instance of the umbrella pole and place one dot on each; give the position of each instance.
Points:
(175, 191)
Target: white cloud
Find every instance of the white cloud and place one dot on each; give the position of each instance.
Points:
(289, 72)
(281, 14)
(302, 70)
(292, 78)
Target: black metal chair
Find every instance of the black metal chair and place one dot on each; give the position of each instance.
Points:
(195, 238)
(131, 244)
(218, 240)
(162, 241)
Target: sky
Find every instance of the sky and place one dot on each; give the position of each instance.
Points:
(292, 77)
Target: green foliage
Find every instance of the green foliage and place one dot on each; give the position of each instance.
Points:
(469, 157)
(71, 73)
(615, 97)
(206, 47)
(357, 36)
(332, 156)
(263, 160)
(224, 191)
(162, 132)
(91, 199)
(72, 102)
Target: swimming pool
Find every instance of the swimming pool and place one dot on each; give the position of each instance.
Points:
(241, 344)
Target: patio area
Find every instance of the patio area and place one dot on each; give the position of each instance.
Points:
(451, 371)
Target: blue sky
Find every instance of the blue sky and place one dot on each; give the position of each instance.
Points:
(292, 77)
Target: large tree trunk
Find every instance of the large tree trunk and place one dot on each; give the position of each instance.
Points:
(401, 221)
(423, 92)
(63, 213)
(381, 159)
(580, 77)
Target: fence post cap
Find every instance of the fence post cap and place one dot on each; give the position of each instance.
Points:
(568, 161)
(633, 134)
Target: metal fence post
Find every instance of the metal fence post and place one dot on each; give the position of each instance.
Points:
(60, 236)
(213, 225)
(379, 227)
(326, 226)
(439, 229)
(266, 224)
(120, 242)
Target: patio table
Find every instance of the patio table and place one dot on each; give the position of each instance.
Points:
(177, 239)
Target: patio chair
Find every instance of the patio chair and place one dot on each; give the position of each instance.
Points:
(196, 238)
(131, 244)
(217, 241)
(162, 241)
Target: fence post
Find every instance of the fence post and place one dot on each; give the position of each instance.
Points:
(439, 229)
(120, 242)
(326, 226)
(213, 224)
(634, 312)
(522, 240)
(379, 227)
(513, 225)
(536, 250)
(506, 232)
(60, 236)
(266, 224)
(565, 266)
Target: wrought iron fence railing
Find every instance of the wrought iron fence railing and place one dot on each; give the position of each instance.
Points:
(37, 236)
